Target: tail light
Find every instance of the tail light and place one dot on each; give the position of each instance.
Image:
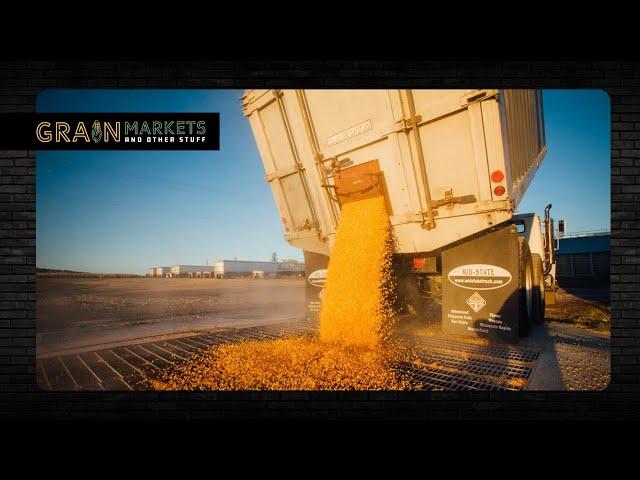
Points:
(497, 176)
(419, 262)
(499, 190)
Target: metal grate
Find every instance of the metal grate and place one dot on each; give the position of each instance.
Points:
(477, 366)
(507, 352)
(443, 364)
(435, 379)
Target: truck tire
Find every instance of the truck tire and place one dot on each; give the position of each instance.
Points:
(538, 290)
(525, 288)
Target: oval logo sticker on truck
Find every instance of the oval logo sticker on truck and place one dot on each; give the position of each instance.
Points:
(479, 276)
(318, 278)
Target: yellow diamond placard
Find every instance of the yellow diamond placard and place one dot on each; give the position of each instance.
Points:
(476, 302)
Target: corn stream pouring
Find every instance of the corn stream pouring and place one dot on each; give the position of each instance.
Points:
(350, 352)
(356, 306)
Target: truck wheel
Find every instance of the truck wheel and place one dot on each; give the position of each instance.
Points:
(538, 290)
(525, 287)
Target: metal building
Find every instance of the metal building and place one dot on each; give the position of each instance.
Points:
(583, 259)
(245, 268)
(290, 269)
(190, 270)
(162, 271)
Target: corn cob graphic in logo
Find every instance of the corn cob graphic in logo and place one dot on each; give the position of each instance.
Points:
(96, 131)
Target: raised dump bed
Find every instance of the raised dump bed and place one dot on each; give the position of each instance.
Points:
(455, 162)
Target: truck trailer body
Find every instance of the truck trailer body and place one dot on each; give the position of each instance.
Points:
(453, 166)
(454, 161)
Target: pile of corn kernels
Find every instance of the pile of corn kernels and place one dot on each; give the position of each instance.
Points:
(351, 351)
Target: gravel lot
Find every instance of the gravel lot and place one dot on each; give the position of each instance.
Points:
(72, 312)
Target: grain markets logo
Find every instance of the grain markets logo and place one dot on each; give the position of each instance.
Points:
(129, 131)
(111, 131)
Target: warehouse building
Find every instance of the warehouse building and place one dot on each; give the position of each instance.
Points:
(583, 260)
(162, 271)
(196, 271)
(256, 269)
(230, 269)
(158, 271)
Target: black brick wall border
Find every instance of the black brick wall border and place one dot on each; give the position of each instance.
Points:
(20, 83)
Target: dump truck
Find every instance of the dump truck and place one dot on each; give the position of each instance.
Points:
(452, 165)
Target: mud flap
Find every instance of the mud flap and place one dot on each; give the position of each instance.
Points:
(480, 287)
(315, 275)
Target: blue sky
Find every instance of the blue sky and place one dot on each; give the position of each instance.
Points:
(127, 211)
(575, 175)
